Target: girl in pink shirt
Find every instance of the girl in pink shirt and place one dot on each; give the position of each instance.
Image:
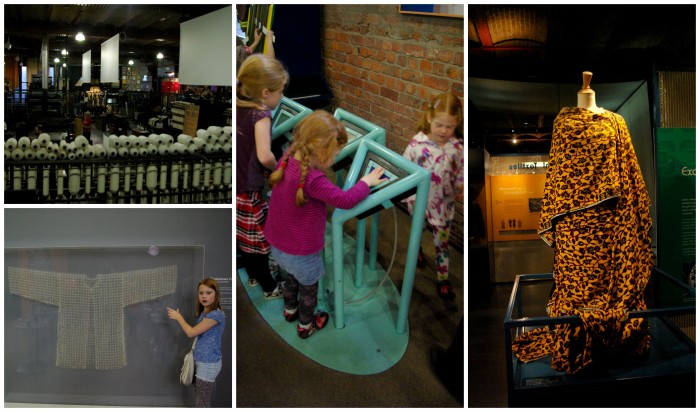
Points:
(296, 220)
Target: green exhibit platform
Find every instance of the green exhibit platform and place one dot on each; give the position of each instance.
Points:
(368, 344)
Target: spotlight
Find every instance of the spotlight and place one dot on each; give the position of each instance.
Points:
(64, 52)
(131, 62)
(56, 60)
(159, 55)
(80, 36)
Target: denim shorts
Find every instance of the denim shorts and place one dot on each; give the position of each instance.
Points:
(207, 371)
(307, 269)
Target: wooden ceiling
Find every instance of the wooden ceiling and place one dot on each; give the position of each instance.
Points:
(144, 29)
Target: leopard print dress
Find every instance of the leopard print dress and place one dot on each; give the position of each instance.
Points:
(595, 214)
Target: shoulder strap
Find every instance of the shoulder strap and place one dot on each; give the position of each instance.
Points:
(194, 343)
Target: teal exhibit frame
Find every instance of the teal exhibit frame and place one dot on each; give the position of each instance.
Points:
(407, 178)
(285, 117)
(358, 129)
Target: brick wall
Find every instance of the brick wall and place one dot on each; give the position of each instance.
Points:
(384, 66)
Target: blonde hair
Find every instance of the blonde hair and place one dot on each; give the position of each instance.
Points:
(259, 72)
(319, 135)
(446, 103)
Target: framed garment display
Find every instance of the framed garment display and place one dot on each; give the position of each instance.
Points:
(89, 326)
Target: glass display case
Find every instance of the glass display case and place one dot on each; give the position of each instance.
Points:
(665, 379)
(89, 326)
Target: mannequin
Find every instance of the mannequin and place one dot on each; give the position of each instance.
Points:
(594, 200)
(586, 96)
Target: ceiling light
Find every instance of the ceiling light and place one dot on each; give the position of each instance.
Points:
(159, 55)
(64, 52)
(131, 62)
(56, 60)
(64, 65)
(80, 36)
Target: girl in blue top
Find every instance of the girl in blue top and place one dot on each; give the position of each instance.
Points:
(208, 330)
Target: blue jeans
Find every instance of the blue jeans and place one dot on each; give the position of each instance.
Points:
(207, 371)
(307, 269)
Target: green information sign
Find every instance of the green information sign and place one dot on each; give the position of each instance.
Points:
(676, 204)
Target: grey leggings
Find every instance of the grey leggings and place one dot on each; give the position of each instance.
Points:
(202, 393)
(307, 298)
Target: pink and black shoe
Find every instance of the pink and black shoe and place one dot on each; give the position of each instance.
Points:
(320, 321)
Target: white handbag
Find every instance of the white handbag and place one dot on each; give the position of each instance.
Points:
(187, 371)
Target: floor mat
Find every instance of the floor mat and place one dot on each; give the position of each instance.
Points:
(368, 344)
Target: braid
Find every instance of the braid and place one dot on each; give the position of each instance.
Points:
(278, 174)
(304, 151)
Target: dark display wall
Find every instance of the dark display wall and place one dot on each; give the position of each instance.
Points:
(94, 244)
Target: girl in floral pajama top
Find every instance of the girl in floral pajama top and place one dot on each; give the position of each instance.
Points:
(437, 149)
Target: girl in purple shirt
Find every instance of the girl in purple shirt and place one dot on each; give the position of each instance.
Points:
(259, 89)
(296, 220)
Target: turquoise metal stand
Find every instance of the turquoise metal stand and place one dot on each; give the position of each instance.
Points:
(359, 129)
(415, 178)
(286, 116)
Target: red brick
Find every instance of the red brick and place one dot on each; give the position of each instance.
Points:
(426, 66)
(436, 83)
(455, 73)
(389, 93)
(357, 39)
(412, 75)
(371, 87)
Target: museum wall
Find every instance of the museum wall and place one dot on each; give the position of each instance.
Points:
(154, 344)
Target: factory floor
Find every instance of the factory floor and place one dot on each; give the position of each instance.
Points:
(270, 373)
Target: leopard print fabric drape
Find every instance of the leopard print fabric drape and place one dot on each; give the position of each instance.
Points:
(595, 214)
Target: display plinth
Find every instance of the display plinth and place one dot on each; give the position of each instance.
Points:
(665, 379)
(368, 345)
(404, 178)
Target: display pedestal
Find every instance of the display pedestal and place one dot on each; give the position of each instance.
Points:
(368, 344)
(665, 379)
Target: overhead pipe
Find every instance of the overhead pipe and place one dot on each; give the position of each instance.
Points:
(45, 62)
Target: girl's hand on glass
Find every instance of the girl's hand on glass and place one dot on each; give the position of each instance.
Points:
(374, 177)
(174, 313)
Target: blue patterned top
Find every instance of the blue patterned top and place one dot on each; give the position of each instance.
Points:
(208, 347)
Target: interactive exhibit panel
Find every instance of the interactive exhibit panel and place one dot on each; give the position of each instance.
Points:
(89, 326)
(285, 117)
(405, 178)
(358, 129)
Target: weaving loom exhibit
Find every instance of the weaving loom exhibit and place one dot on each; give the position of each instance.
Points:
(111, 104)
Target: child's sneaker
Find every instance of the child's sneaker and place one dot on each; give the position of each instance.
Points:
(420, 263)
(278, 292)
(444, 290)
(319, 322)
(290, 315)
(252, 282)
